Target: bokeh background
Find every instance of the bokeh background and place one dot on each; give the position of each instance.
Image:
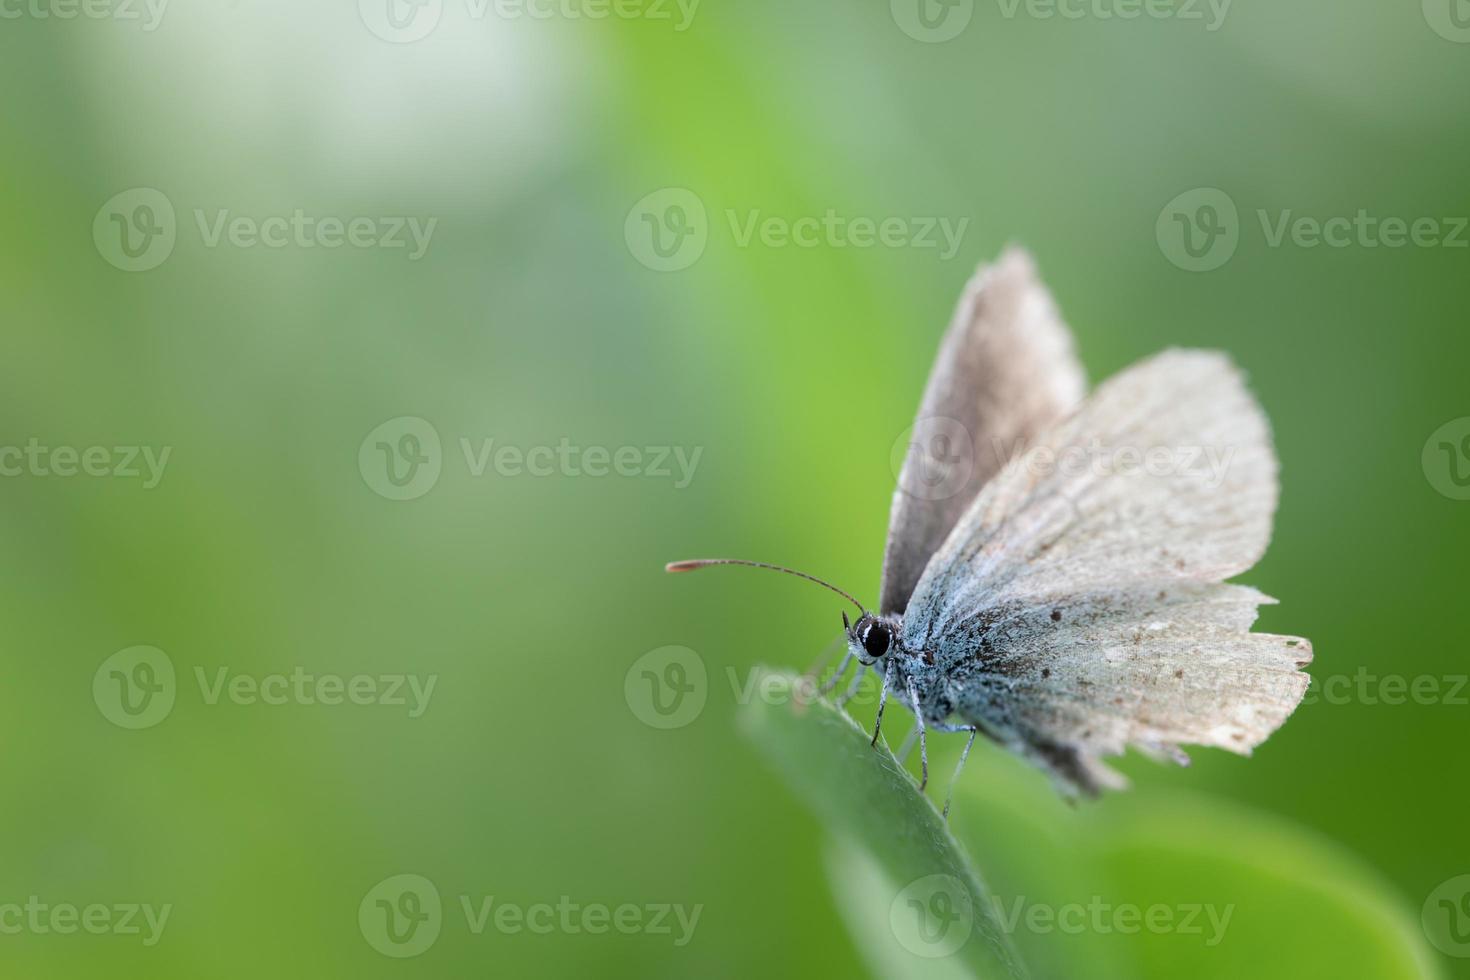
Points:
(538, 316)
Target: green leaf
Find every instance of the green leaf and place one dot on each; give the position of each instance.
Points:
(915, 903)
(1233, 892)
(1138, 885)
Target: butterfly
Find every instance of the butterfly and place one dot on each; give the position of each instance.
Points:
(1055, 570)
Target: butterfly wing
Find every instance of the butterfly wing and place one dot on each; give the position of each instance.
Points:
(1079, 607)
(1005, 370)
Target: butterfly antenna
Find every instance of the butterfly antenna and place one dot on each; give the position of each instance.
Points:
(693, 563)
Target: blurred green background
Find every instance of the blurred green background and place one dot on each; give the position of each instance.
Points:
(538, 317)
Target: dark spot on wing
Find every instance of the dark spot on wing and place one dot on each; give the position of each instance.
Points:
(1179, 673)
(1045, 673)
(1056, 615)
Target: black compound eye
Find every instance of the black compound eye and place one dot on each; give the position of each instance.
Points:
(876, 640)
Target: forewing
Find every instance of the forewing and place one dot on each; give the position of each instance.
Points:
(1005, 371)
(1081, 596)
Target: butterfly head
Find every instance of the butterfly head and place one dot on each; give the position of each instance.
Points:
(870, 638)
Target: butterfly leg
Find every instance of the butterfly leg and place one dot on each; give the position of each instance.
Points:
(923, 743)
(854, 687)
(973, 730)
(882, 700)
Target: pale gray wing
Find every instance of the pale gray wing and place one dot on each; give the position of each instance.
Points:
(1005, 371)
(1082, 591)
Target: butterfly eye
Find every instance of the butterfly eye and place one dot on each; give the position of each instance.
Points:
(876, 640)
